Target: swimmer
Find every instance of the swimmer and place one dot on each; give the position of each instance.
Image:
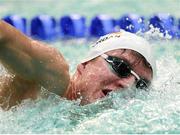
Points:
(115, 62)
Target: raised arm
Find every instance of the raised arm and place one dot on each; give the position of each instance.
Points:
(32, 60)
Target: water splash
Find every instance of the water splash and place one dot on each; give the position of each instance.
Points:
(131, 111)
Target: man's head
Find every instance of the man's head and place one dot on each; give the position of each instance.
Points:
(115, 62)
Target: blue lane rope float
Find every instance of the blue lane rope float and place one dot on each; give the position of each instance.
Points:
(164, 22)
(72, 26)
(178, 30)
(101, 25)
(43, 27)
(17, 21)
(132, 23)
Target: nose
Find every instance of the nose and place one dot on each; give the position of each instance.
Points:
(126, 82)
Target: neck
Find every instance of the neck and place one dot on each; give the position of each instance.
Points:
(71, 92)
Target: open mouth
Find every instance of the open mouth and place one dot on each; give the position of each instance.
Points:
(106, 91)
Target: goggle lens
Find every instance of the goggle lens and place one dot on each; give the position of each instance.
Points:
(141, 84)
(123, 70)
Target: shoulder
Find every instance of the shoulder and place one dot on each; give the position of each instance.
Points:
(52, 69)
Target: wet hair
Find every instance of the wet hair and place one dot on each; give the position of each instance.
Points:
(139, 59)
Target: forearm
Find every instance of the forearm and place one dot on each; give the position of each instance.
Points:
(33, 60)
(14, 49)
(8, 34)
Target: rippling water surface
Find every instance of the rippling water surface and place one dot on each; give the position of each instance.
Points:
(131, 111)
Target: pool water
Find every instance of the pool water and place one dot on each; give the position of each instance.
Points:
(131, 111)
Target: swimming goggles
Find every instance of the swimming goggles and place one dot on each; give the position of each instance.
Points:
(123, 70)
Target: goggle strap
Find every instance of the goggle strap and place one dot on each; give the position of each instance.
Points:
(104, 56)
(137, 77)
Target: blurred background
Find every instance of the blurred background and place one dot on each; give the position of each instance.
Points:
(88, 8)
(163, 14)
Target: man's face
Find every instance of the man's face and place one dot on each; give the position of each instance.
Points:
(95, 79)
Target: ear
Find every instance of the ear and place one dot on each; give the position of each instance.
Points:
(81, 67)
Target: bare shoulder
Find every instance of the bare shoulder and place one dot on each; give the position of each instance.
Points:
(52, 70)
(33, 63)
